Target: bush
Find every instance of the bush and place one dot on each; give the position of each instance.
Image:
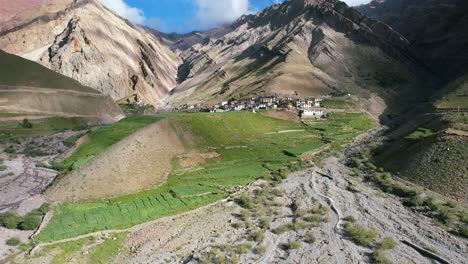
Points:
(309, 239)
(360, 235)
(10, 150)
(281, 229)
(243, 248)
(315, 218)
(257, 236)
(415, 201)
(26, 124)
(463, 231)
(13, 242)
(245, 215)
(350, 219)
(30, 222)
(260, 250)
(245, 201)
(387, 244)
(292, 245)
(10, 220)
(380, 257)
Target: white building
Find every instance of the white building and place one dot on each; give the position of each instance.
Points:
(312, 113)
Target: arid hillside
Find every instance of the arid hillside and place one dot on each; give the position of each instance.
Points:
(299, 48)
(87, 42)
(30, 90)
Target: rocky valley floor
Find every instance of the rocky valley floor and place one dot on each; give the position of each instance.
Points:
(301, 220)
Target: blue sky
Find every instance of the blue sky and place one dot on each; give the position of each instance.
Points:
(187, 15)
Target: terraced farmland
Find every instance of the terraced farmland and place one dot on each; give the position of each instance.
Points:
(250, 146)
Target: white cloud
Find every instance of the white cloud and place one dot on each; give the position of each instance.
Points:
(356, 2)
(135, 15)
(215, 12)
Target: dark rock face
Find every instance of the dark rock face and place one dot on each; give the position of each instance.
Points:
(437, 29)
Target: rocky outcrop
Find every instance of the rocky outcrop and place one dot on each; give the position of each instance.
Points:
(91, 44)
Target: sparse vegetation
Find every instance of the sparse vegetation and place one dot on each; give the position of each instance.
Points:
(387, 244)
(13, 242)
(360, 235)
(292, 245)
(309, 238)
(30, 221)
(26, 124)
(420, 133)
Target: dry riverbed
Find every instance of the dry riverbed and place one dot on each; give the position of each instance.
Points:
(208, 232)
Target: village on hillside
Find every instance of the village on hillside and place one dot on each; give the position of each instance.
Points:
(305, 107)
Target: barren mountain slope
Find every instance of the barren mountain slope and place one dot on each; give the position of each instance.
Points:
(437, 29)
(40, 92)
(89, 43)
(300, 47)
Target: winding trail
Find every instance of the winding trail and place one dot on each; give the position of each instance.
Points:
(334, 234)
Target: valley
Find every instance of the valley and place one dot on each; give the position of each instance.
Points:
(310, 131)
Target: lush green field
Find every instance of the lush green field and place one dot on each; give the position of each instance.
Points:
(250, 147)
(105, 136)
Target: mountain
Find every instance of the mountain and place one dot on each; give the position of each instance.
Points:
(84, 40)
(437, 30)
(303, 48)
(29, 89)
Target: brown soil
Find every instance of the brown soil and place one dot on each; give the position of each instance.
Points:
(139, 162)
(193, 159)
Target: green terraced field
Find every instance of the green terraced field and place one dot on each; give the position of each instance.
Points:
(250, 147)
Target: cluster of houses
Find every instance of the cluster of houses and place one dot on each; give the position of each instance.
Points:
(306, 107)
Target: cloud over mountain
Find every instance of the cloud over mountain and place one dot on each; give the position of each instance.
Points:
(134, 14)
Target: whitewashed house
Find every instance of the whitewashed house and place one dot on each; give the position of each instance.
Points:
(312, 113)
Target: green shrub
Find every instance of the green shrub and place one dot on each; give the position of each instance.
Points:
(245, 215)
(34, 152)
(13, 242)
(3, 168)
(243, 248)
(350, 219)
(403, 191)
(360, 235)
(10, 150)
(265, 222)
(292, 245)
(260, 250)
(245, 201)
(309, 239)
(415, 201)
(379, 257)
(26, 124)
(257, 236)
(387, 244)
(315, 218)
(281, 229)
(30, 222)
(10, 220)
(463, 231)
(238, 225)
